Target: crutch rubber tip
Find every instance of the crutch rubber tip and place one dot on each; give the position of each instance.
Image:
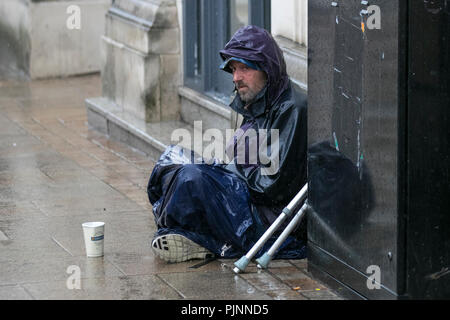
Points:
(241, 264)
(264, 260)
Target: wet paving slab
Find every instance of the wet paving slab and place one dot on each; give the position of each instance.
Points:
(56, 173)
(14, 292)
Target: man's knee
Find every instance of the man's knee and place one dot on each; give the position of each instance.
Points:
(190, 173)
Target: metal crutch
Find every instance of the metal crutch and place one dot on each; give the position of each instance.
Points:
(265, 259)
(243, 262)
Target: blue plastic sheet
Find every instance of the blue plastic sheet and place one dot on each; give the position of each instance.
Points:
(209, 205)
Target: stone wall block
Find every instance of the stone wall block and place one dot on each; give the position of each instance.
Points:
(170, 81)
(127, 32)
(131, 80)
(42, 43)
(161, 40)
(160, 13)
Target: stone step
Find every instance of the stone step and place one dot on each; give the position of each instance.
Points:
(151, 138)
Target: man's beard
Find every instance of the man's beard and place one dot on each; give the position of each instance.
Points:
(250, 94)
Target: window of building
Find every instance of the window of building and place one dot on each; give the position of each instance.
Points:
(207, 27)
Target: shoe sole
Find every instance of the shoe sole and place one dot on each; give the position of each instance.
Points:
(177, 248)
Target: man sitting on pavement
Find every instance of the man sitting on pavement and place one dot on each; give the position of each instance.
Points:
(204, 210)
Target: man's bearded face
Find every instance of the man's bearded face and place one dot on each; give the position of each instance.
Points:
(249, 82)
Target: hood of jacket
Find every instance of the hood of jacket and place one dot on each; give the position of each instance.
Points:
(257, 45)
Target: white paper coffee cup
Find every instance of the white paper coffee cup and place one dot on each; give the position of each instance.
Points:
(94, 234)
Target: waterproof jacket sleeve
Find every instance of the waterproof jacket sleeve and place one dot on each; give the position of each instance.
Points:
(277, 187)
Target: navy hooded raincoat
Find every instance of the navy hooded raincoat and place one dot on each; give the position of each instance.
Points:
(226, 208)
(278, 107)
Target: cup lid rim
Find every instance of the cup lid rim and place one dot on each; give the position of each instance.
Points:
(93, 224)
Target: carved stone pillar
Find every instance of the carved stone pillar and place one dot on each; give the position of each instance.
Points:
(141, 58)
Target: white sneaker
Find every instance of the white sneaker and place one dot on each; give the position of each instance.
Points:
(177, 248)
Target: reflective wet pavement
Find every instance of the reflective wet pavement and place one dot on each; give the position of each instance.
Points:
(55, 173)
